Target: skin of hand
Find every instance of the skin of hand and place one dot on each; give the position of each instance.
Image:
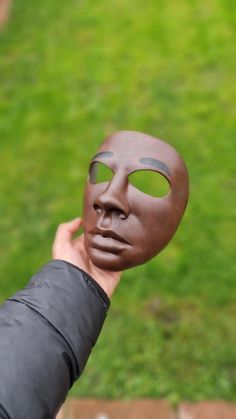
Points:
(70, 249)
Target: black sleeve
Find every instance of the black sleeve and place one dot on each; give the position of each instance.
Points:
(47, 332)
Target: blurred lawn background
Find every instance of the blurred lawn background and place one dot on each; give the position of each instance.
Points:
(70, 74)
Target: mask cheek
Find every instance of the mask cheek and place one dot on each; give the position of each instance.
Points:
(89, 216)
(92, 192)
(157, 231)
(89, 198)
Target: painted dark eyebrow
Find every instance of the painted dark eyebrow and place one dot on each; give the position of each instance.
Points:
(106, 154)
(155, 163)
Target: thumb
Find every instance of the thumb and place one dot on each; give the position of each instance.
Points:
(65, 231)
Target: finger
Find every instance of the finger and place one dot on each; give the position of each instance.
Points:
(79, 245)
(65, 231)
(78, 241)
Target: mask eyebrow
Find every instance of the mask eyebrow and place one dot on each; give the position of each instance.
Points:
(105, 154)
(155, 163)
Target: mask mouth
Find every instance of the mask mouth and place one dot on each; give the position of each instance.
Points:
(108, 233)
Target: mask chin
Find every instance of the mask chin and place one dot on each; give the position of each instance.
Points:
(107, 261)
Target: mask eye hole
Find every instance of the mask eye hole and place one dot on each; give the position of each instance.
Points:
(150, 182)
(99, 173)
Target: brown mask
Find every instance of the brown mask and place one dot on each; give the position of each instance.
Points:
(127, 218)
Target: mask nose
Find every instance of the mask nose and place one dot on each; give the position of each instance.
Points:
(114, 199)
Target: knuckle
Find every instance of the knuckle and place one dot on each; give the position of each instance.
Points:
(61, 226)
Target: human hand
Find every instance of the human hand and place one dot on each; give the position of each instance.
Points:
(73, 250)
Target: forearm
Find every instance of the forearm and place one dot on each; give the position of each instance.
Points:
(47, 333)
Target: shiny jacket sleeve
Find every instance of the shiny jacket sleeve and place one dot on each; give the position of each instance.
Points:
(47, 332)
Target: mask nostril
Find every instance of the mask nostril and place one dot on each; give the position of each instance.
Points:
(118, 213)
(122, 216)
(114, 210)
(97, 209)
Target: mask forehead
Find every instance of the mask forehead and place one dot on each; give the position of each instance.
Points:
(132, 150)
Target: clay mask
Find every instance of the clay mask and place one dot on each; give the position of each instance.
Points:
(135, 197)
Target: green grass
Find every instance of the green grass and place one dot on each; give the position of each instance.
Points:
(71, 73)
